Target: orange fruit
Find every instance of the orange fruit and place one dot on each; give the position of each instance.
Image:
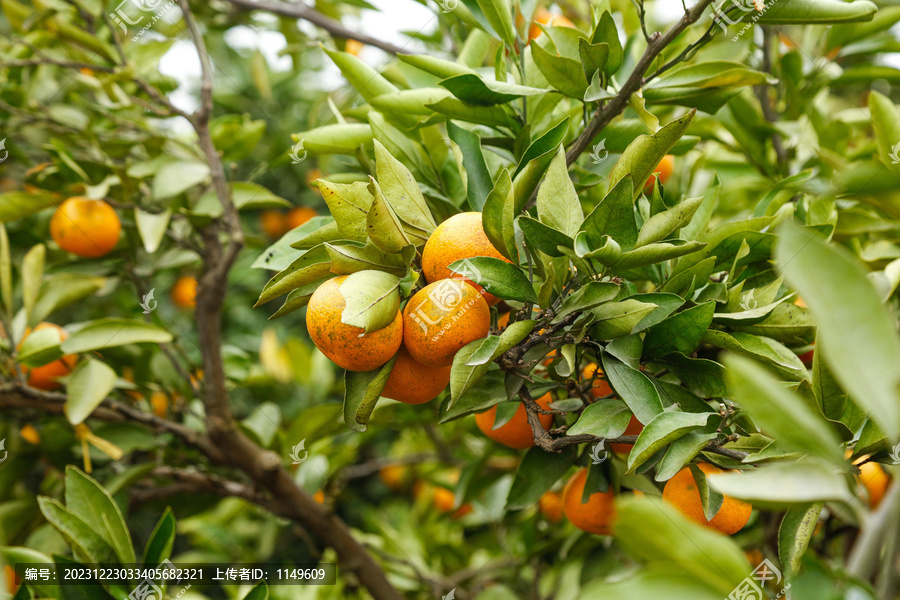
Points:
(682, 493)
(600, 387)
(319, 497)
(299, 216)
(561, 21)
(515, 433)
(353, 47)
(443, 500)
(807, 357)
(312, 176)
(876, 480)
(412, 382)
(184, 292)
(30, 434)
(88, 228)
(395, 477)
(665, 168)
(160, 403)
(347, 346)
(459, 237)
(11, 584)
(45, 377)
(551, 506)
(542, 16)
(273, 223)
(441, 318)
(594, 516)
(634, 428)
(800, 302)
(503, 321)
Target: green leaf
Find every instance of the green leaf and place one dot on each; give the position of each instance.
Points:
(471, 88)
(537, 473)
(245, 195)
(543, 145)
(587, 297)
(765, 350)
(498, 277)
(608, 33)
(794, 534)
(152, 227)
(112, 332)
(654, 532)
(563, 73)
(782, 485)
(61, 290)
(355, 257)
(710, 500)
(349, 204)
(652, 254)
(87, 499)
(86, 543)
(660, 225)
(886, 118)
(40, 347)
(162, 540)
(311, 266)
(682, 451)
(632, 386)
(545, 238)
(368, 82)
(499, 14)
(498, 217)
(494, 116)
(372, 299)
(712, 74)
(613, 216)
(176, 177)
(643, 155)
(259, 592)
(18, 205)
(781, 413)
(662, 429)
(401, 191)
(817, 12)
(557, 202)
(593, 57)
(478, 177)
(858, 334)
(436, 66)
(383, 225)
(681, 332)
(6, 288)
(90, 590)
(618, 319)
(469, 364)
(335, 139)
(32, 277)
(361, 393)
(606, 418)
(89, 384)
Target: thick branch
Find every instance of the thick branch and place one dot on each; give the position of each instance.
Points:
(302, 11)
(615, 107)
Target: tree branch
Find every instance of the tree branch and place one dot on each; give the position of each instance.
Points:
(302, 11)
(657, 43)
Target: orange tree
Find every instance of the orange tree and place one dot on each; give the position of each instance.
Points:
(588, 276)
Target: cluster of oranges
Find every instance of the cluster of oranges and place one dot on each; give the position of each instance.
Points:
(276, 223)
(436, 323)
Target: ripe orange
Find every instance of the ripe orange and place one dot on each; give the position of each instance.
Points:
(88, 228)
(184, 292)
(160, 403)
(443, 500)
(515, 433)
(600, 387)
(347, 346)
(312, 176)
(273, 223)
(562, 21)
(441, 318)
(551, 506)
(412, 382)
(542, 16)
(30, 434)
(11, 584)
(45, 377)
(594, 516)
(299, 216)
(353, 47)
(665, 168)
(876, 480)
(319, 497)
(682, 493)
(396, 477)
(634, 428)
(800, 302)
(459, 237)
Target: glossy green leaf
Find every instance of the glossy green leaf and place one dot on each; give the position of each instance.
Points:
(88, 500)
(88, 385)
(606, 418)
(794, 534)
(784, 485)
(383, 225)
(401, 191)
(372, 299)
(817, 12)
(111, 332)
(348, 204)
(32, 277)
(473, 89)
(478, 177)
(86, 543)
(557, 202)
(681, 332)
(313, 265)
(537, 473)
(162, 540)
(361, 393)
(18, 205)
(633, 387)
(563, 73)
(659, 431)
(498, 217)
(499, 278)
